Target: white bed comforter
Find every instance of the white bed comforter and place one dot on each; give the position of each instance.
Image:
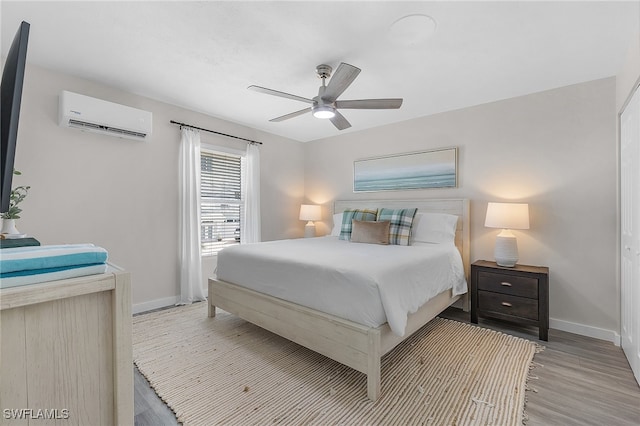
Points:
(366, 283)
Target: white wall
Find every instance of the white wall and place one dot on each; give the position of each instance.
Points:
(630, 72)
(122, 194)
(555, 150)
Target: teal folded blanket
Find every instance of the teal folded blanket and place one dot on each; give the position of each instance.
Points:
(38, 258)
(35, 276)
(42, 271)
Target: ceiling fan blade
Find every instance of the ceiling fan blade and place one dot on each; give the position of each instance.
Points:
(340, 122)
(370, 104)
(290, 115)
(280, 94)
(340, 80)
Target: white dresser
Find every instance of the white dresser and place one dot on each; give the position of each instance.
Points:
(66, 352)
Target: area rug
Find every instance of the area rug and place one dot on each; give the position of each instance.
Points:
(226, 371)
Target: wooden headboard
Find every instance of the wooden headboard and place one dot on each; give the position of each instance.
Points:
(456, 206)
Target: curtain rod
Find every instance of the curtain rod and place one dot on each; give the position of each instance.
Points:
(213, 131)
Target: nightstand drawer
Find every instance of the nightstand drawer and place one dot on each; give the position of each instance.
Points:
(519, 294)
(510, 305)
(508, 284)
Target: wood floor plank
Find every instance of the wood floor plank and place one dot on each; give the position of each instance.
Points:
(149, 409)
(581, 381)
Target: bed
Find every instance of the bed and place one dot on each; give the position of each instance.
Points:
(355, 342)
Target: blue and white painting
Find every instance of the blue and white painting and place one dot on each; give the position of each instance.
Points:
(418, 170)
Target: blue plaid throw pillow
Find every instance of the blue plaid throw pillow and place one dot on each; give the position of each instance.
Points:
(401, 222)
(358, 214)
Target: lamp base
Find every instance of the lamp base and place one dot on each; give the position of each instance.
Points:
(310, 230)
(506, 249)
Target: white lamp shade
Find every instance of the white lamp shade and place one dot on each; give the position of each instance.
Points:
(507, 216)
(310, 212)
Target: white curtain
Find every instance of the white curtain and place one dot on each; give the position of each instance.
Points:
(189, 218)
(250, 223)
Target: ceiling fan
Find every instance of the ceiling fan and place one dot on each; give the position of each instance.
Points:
(326, 104)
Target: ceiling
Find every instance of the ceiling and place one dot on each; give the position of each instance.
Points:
(203, 55)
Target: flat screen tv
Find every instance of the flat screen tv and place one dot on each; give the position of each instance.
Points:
(10, 98)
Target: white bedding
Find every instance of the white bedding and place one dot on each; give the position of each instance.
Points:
(366, 283)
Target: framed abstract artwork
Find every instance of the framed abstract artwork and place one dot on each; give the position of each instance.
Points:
(414, 170)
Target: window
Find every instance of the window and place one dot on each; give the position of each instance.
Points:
(221, 200)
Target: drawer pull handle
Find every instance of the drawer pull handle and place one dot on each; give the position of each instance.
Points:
(506, 284)
(507, 304)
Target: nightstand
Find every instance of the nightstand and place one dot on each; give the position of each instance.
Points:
(519, 294)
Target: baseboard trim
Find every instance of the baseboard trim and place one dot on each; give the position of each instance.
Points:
(155, 304)
(570, 327)
(585, 330)
(160, 303)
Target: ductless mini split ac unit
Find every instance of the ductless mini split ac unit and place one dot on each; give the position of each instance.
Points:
(99, 116)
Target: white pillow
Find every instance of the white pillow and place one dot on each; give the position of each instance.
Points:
(337, 225)
(434, 228)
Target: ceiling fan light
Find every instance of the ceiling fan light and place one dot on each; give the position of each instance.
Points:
(324, 111)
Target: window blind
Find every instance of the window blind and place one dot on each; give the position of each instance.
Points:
(221, 200)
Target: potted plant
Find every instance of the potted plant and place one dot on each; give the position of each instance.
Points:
(18, 194)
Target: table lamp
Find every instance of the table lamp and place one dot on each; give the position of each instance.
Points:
(507, 216)
(310, 212)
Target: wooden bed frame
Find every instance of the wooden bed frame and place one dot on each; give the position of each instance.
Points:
(354, 345)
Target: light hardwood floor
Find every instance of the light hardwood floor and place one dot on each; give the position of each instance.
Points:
(582, 381)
